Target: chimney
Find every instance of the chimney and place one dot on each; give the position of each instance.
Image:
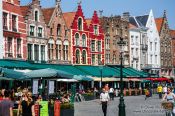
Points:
(126, 16)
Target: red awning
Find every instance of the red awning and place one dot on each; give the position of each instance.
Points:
(161, 79)
(151, 79)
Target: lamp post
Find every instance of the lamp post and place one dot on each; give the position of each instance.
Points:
(101, 74)
(121, 105)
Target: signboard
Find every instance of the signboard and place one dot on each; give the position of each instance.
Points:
(51, 87)
(35, 87)
(57, 108)
(44, 108)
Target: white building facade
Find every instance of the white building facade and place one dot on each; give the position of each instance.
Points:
(146, 41)
(138, 47)
(1, 33)
(134, 48)
(153, 45)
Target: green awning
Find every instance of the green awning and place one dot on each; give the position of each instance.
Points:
(48, 73)
(14, 64)
(95, 71)
(66, 68)
(11, 74)
(82, 78)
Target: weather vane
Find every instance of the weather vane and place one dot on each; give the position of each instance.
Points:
(80, 1)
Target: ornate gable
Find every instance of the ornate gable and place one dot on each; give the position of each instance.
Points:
(95, 21)
(28, 11)
(79, 14)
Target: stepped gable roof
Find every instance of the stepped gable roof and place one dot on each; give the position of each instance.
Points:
(172, 33)
(24, 10)
(69, 17)
(47, 12)
(159, 22)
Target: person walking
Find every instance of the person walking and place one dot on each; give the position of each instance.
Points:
(111, 93)
(165, 89)
(6, 105)
(104, 98)
(159, 91)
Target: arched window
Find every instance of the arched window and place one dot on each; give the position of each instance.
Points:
(77, 39)
(80, 24)
(36, 15)
(77, 57)
(84, 40)
(114, 58)
(58, 29)
(84, 57)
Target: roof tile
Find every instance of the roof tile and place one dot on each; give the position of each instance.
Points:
(172, 33)
(69, 17)
(47, 12)
(159, 22)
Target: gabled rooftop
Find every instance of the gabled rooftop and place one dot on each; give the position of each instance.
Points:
(47, 12)
(69, 17)
(159, 22)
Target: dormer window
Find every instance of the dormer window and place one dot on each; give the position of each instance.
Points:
(80, 24)
(96, 30)
(36, 15)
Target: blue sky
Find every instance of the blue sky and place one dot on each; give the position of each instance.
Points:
(117, 7)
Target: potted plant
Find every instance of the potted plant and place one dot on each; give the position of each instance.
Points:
(88, 96)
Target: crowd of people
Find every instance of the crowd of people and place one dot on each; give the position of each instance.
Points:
(23, 101)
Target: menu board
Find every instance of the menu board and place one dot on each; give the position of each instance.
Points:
(51, 87)
(35, 87)
(44, 108)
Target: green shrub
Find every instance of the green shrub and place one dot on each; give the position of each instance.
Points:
(67, 106)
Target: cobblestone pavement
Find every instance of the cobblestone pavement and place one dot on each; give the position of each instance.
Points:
(135, 106)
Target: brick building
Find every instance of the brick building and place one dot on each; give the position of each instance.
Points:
(115, 27)
(36, 31)
(96, 37)
(172, 33)
(14, 31)
(87, 39)
(165, 45)
(57, 34)
(1, 32)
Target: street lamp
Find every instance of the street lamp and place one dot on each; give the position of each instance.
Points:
(101, 68)
(121, 105)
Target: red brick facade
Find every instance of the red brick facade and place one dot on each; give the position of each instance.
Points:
(172, 32)
(87, 44)
(14, 31)
(57, 34)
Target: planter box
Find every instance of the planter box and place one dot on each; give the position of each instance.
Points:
(88, 97)
(67, 112)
